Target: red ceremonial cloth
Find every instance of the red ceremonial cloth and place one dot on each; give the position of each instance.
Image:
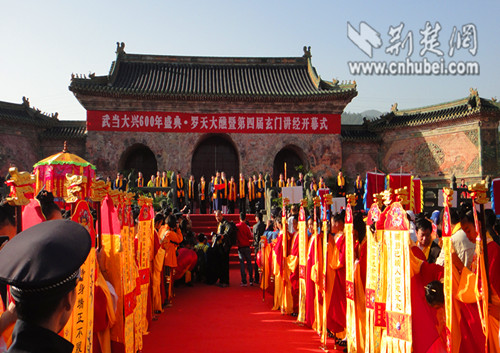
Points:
(186, 261)
(32, 214)
(398, 181)
(495, 195)
(310, 285)
(375, 183)
(417, 195)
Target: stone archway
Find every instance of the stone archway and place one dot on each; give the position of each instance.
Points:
(293, 157)
(215, 152)
(140, 158)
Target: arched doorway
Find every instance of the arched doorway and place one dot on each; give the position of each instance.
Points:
(140, 158)
(216, 152)
(291, 156)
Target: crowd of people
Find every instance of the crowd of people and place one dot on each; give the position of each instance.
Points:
(227, 194)
(179, 255)
(279, 258)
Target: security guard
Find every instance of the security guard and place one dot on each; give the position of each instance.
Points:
(42, 267)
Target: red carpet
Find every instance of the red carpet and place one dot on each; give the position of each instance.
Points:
(234, 319)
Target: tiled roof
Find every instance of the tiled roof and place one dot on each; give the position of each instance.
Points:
(23, 113)
(358, 133)
(66, 130)
(462, 108)
(209, 78)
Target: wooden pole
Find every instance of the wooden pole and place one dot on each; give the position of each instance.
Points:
(484, 244)
(19, 219)
(99, 226)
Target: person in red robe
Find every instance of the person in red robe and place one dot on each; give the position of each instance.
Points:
(471, 332)
(311, 320)
(336, 311)
(293, 265)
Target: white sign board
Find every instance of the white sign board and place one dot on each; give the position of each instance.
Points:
(293, 193)
(338, 204)
(441, 199)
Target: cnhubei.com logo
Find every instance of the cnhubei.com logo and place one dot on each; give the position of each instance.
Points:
(401, 43)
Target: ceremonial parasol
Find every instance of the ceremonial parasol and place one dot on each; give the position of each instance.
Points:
(52, 172)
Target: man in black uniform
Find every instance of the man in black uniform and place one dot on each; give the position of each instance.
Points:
(42, 266)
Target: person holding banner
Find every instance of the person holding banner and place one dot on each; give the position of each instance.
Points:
(474, 322)
(336, 280)
(44, 290)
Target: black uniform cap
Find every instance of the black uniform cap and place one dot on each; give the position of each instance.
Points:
(45, 258)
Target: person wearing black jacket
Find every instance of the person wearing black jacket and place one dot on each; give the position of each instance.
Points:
(222, 242)
(258, 231)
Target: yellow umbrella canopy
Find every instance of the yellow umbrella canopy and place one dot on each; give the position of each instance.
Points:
(51, 173)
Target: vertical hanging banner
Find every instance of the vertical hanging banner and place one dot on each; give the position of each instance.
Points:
(145, 241)
(349, 283)
(398, 181)
(129, 301)
(418, 196)
(112, 245)
(79, 328)
(398, 305)
(324, 266)
(302, 265)
(448, 268)
(375, 283)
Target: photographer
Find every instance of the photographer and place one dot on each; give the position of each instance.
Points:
(222, 241)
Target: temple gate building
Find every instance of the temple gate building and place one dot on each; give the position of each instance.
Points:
(202, 114)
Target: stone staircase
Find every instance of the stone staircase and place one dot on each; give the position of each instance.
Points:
(206, 224)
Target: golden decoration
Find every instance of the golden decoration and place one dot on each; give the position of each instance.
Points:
(352, 198)
(402, 195)
(447, 196)
(387, 196)
(328, 199)
(20, 183)
(478, 192)
(98, 190)
(73, 186)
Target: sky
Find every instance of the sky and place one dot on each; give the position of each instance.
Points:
(43, 42)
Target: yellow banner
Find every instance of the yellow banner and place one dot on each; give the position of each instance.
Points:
(324, 265)
(351, 307)
(79, 328)
(375, 290)
(302, 266)
(398, 306)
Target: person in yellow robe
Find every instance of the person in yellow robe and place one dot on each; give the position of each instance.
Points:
(170, 237)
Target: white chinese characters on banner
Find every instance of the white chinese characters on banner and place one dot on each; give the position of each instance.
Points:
(184, 122)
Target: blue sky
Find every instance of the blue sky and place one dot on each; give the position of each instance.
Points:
(43, 42)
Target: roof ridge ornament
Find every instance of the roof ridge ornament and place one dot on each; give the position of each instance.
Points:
(394, 107)
(120, 48)
(26, 101)
(307, 52)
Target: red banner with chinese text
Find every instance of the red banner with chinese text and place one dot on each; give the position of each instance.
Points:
(254, 123)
